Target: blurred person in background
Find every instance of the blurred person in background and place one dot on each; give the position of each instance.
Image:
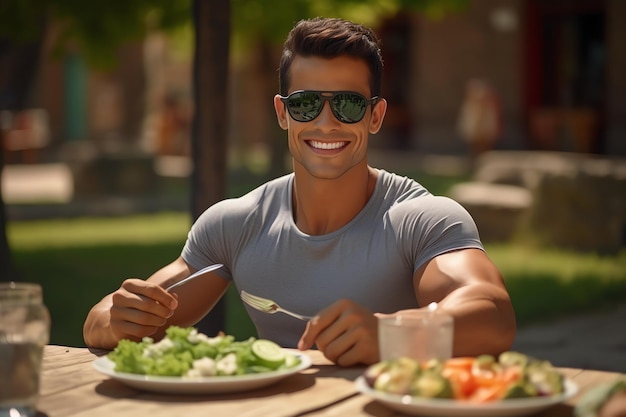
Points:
(480, 122)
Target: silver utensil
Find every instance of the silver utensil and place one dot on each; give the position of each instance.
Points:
(195, 275)
(268, 306)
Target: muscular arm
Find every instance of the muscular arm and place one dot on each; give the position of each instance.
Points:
(467, 285)
(142, 308)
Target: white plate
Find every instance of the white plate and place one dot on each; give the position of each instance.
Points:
(451, 408)
(203, 385)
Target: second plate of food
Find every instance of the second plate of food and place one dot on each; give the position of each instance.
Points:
(437, 407)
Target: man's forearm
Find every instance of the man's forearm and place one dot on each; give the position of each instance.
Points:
(484, 320)
(97, 331)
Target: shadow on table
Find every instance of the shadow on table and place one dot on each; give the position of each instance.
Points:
(115, 389)
(377, 409)
(350, 374)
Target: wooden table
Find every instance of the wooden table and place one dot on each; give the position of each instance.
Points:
(71, 387)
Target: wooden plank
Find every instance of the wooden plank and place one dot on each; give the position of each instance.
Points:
(72, 388)
(291, 396)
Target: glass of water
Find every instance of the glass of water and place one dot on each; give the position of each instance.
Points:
(421, 335)
(24, 331)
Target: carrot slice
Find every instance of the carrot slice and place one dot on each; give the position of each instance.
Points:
(478, 385)
(487, 394)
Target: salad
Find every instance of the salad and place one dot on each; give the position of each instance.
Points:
(479, 379)
(185, 352)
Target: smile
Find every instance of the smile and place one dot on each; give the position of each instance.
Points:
(326, 145)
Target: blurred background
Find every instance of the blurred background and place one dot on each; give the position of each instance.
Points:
(121, 122)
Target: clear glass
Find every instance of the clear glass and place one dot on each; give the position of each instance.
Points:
(24, 331)
(422, 335)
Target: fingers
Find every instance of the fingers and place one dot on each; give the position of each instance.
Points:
(314, 327)
(124, 329)
(323, 322)
(352, 348)
(345, 332)
(140, 308)
(151, 291)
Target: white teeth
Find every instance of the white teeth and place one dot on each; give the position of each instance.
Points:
(327, 145)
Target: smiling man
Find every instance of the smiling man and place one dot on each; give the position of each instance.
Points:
(336, 239)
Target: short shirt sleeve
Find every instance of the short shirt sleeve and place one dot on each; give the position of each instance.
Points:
(430, 226)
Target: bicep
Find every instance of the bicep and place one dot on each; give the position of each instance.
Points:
(467, 285)
(451, 271)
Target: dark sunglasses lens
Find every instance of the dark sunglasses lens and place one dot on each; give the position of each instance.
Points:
(304, 106)
(349, 107)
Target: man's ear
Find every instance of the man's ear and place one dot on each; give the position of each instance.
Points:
(281, 112)
(378, 114)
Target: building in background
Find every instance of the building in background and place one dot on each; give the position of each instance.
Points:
(556, 65)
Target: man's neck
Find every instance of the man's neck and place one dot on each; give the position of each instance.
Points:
(321, 206)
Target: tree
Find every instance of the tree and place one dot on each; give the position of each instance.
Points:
(100, 28)
(97, 28)
(19, 57)
(17, 68)
(210, 125)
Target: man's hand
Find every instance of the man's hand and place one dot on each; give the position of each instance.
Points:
(144, 308)
(139, 308)
(346, 332)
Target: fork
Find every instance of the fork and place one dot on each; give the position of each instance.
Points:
(268, 306)
(194, 275)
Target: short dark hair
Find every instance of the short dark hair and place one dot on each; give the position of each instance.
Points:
(330, 38)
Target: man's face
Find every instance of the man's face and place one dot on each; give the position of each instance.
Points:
(325, 147)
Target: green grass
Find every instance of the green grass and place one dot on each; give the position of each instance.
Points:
(547, 283)
(78, 261)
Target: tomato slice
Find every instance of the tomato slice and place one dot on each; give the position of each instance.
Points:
(463, 384)
(462, 362)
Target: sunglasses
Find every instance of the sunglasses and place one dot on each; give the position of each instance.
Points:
(347, 106)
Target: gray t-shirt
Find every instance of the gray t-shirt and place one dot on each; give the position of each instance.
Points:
(370, 260)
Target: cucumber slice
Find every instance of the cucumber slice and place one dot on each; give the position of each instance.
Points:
(268, 353)
(291, 361)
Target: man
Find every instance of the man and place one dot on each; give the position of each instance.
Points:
(336, 239)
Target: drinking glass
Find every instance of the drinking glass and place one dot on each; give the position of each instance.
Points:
(422, 335)
(24, 331)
